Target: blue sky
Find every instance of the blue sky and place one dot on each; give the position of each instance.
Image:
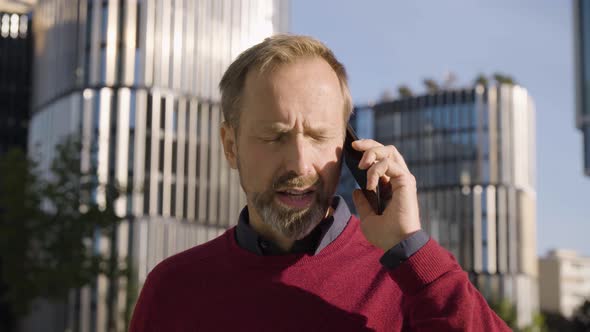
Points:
(387, 43)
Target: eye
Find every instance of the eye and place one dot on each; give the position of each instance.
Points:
(320, 138)
(274, 139)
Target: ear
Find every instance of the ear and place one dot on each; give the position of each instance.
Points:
(228, 139)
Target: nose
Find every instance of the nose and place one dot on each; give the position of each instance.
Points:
(298, 156)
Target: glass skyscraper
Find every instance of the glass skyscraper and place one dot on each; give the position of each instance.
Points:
(15, 79)
(472, 152)
(582, 70)
(137, 82)
(15, 97)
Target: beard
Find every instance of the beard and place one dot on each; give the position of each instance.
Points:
(293, 223)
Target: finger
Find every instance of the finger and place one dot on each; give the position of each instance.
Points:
(375, 172)
(376, 153)
(365, 144)
(381, 152)
(387, 168)
(363, 207)
(400, 159)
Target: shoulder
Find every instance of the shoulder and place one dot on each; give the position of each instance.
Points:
(193, 260)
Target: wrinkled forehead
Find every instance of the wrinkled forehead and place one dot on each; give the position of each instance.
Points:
(307, 88)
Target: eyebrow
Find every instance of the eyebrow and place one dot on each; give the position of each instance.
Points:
(281, 128)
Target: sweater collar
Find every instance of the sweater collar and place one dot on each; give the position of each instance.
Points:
(326, 232)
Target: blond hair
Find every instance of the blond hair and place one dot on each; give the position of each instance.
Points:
(265, 57)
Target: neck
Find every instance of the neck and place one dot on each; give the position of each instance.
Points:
(267, 232)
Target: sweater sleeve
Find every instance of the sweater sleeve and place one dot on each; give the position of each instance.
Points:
(143, 318)
(438, 296)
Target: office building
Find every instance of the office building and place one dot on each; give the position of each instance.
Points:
(472, 153)
(137, 82)
(582, 72)
(564, 281)
(15, 78)
(15, 97)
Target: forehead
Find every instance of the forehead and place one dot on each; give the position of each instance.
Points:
(307, 90)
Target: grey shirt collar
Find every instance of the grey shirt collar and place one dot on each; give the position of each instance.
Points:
(326, 232)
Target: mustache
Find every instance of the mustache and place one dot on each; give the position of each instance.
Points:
(292, 180)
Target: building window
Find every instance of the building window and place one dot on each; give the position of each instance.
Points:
(146, 194)
(160, 196)
(132, 108)
(163, 113)
(184, 200)
(161, 156)
(148, 116)
(105, 22)
(148, 153)
(173, 200)
(131, 159)
(175, 117)
(5, 30)
(174, 154)
(103, 65)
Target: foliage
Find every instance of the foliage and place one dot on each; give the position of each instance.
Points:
(481, 79)
(503, 79)
(404, 91)
(507, 312)
(431, 85)
(581, 317)
(557, 322)
(48, 225)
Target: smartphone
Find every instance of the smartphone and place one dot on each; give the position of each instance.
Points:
(352, 158)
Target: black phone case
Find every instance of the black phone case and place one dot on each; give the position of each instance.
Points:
(352, 158)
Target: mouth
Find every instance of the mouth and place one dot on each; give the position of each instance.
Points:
(295, 197)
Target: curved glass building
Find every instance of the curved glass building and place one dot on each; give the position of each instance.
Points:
(137, 81)
(472, 153)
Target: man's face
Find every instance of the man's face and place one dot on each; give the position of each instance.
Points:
(289, 144)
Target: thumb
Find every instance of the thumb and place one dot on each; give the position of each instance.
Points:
(361, 203)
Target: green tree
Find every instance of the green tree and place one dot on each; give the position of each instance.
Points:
(503, 79)
(404, 91)
(48, 224)
(557, 322)
(539, 324)
(431, 85)
(481, 79)
(581, 317)
(507, 312)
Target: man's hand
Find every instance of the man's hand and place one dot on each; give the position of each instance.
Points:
(401, 217)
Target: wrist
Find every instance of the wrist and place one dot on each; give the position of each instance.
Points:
(401, 238)
(399, 253)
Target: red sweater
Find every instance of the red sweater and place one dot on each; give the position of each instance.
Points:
(219, 286)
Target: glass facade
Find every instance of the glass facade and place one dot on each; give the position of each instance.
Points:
(587, 149)
(15, 96)
(472, 153)
(15, 79)
(137, 80)
(582, 72)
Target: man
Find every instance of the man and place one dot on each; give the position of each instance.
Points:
(298, 260)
